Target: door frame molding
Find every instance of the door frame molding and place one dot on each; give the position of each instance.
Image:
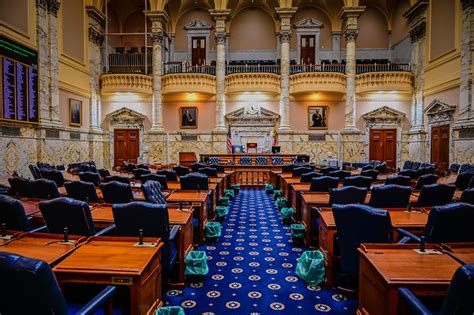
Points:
(308, 26)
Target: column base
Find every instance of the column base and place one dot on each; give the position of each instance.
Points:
(46, 123)
(350, 129)
(95, 129)
(417, 129)
(284, 129)
(220, 129)
(156, 129)
(464, 122)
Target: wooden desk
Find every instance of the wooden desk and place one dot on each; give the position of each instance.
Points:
(115, 260)
(199, 201)
(386, 267)
(296, 190)
(103, 217)
(31, 205)
(137, 193)
(44, 246)
(461, 251)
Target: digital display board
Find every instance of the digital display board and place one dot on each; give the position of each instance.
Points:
(19, 82)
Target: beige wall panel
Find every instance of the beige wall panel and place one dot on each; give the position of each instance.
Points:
(181, 38)
(73, 29)
(400, 25)
(372, 29)
(450, 96)
(243, 34)
(206, 118)
(14, 13)
(325, 39)
(442, 27)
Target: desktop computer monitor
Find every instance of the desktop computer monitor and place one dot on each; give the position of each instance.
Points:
(275, 149)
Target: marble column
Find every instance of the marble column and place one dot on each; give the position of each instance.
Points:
(351, 30)
(53, 70)
(96, 40)
(221, 39)
(285, 15)
(43, 59)
(157, 34)
(466, 88)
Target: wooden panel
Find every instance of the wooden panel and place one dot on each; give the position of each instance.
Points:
(126, 146)
(133, 146)
(376, 145)
(383, 146)
(198, 51)
(440, 146)
(307, 49)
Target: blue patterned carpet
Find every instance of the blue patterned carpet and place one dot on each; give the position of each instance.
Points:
(252, 268)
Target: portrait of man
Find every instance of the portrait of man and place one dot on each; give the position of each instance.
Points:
(317, 117)
(75, 112)
(188, 117)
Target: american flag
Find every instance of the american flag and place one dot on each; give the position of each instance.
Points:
(229, 141)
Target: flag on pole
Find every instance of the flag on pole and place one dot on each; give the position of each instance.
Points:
(229, 141)
(275, 136)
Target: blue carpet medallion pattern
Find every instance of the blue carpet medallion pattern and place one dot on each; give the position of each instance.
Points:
(252, 268)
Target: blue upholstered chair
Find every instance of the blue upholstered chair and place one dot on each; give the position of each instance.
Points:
(194, 181)
(328, 169)
(118, 178)
(143, 166)
(358, 181)
(301, 170)
(346, 195)
(245, 160)
(104, 173)
(153, 219)
(218, 167)
(13, 214)
(261, 160)
(426, 169)
(370, 173)
(138, 172)
(447, 224)
(45, 189)
(415, 166)
(181, 170)
(170, 175)
(196, 166)
(82, 191)
(381, 168)
(390, 196)
(409, 172)
(54, 175)
(21, 187)
(454, 168)
(462, 180)
(68, 213)
(35, 171)
(357, 224)
(465, 168)
(368, 167)
(407, 165)
(399, 180)
(152, 192)
(209, 171)
(116, 192)
(468, 196)
(458, 300)
(43, 295)
(214, 160)
(288, 168)
(157, 178)
(277, 160)
(427, 179)
(323, 183)
(90, 177)
(341, 174)
(306, 177)
(435, 195)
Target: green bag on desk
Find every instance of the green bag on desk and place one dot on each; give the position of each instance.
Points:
(196, 264)
(224, 201)
(230, 193)
(310, 267)
(287, 213)
(281, 202)
(236, 188)
(170, 310)
(269, 189)
(277, 193)
(222, 211)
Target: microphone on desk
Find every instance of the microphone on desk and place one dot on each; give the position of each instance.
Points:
(422, 244)
(180, 206)
(66, 234)
(199, 188)
(140, 237)
(4, 229)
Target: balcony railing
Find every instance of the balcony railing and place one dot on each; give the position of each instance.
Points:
(130, 63)
(318, 68)
(382, 67)
(252, 68)
(179, 67)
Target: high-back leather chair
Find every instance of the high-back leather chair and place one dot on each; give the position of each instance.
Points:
(196, 166)
(138, 172)
(170, 175)
(454, 168)
(381, 168)
(116, 192)
(83, 191)
(407, 165)
(435, 195)
(367, 167)
(306, 177)
(118, 178)
(35, 171)
(341, 174)
(323, 183)
(209, 171)
(390, 196)
(288, 168)
(468, 196)
(462, 180)
(181, 170)
(409, 172)
(328, 169)
(194, 181)
(21, 186)
(415, 166)
(357, 224)
(55, 176)
(370, 173)
(104, 173)
(90, 177)
(464, 168)
(218, 167)
(346, 195)
(399, 180)
(68, 213)
(427, 179)
(358, 181)
(143, 166)
(13, 214)
(157, 178)
(152, 192)
(153, 220)
(45, 189)
(301, 170)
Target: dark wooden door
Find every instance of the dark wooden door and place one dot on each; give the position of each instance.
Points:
(198, 51)
(440, 146)
(126, 146)
(308, 49)
(383, 146)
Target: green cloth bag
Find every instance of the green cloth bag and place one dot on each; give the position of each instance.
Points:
(310, 267)
(269, 188)
(196, 263)
(222, 211)
(230, 193)
(287, 213)
(170, 310)
(297, 230)
(213, 229)
(224, 201)
(281, 202)
(277, 193)
(236, 188)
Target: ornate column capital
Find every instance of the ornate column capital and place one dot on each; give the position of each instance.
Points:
(221, 38)
(285, 36)
(95, 15)
(221, 17)
(418, 31)
(158, 38)
(350, 16)
(95, 36)
(351, 35)
(42, 4)
(467, 4)
(53, 7)
(158, 19)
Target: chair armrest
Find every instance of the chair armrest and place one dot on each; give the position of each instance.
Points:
(98, 300)
(414, 303)
(39, 229)
(105, 231)
(174, 231)
(411, 236)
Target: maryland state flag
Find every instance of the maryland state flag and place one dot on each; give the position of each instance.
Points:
(275, 136)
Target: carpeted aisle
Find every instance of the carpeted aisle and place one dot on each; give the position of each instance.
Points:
(252, 268)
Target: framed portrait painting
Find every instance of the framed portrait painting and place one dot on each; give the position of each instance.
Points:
(75, 112)
(188, 117)
(318, 117)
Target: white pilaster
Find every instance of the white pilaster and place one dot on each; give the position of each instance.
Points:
(53, 71)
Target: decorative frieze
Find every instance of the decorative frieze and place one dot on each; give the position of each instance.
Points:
(136, 83)
(245, 82)
(188, 82)
(95, 36)
(384, 81)
(439, 112)
(325, 81)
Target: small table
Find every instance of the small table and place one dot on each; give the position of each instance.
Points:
(117, 260)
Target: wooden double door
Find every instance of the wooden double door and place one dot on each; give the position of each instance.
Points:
(198, 57)
(126, 146)
(383, 146)
(440, 146)
(308, 49)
